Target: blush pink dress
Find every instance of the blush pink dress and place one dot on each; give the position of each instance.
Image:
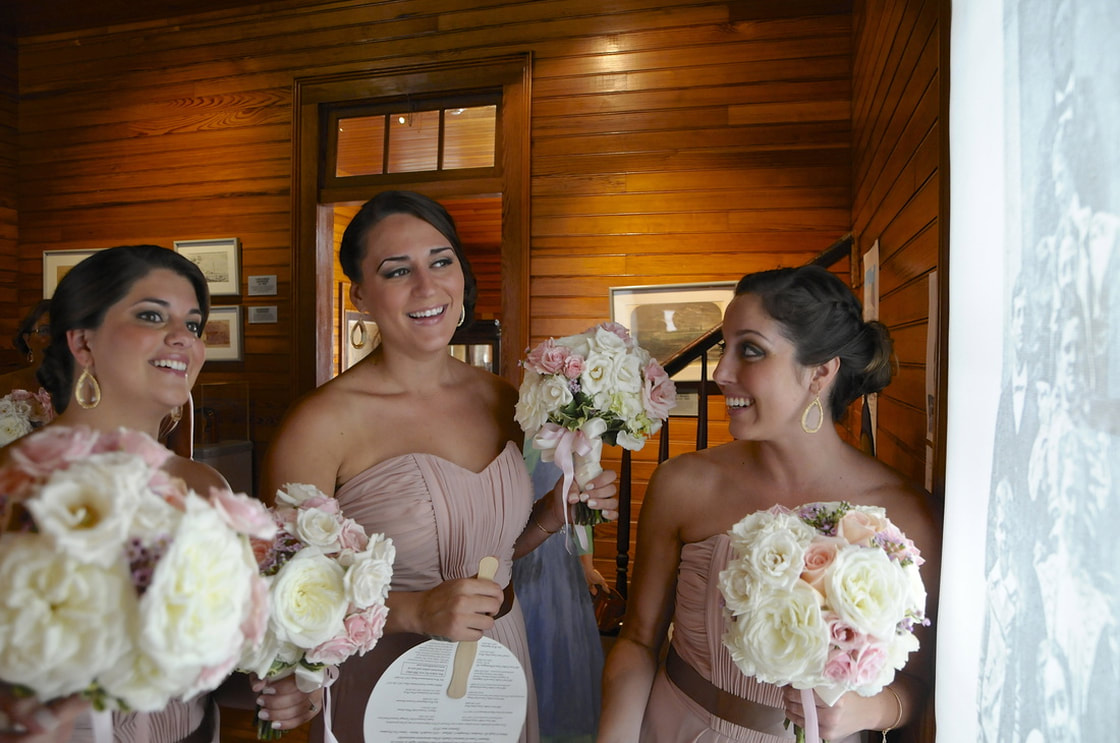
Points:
(672, 716)
(195, 720)
(443, 519)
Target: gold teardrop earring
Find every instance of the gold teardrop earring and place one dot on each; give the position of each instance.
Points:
(816, 403)
(87, 380)
(358, 334)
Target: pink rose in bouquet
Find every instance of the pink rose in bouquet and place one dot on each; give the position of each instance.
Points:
(584, 389)
(327, 581)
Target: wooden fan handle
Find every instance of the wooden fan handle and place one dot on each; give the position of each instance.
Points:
(465, 651)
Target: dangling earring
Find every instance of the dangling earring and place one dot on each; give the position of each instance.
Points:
(816, 403)
(30, 357)
(84, 380)
(462, 316)
(172, 422)
(359, 330)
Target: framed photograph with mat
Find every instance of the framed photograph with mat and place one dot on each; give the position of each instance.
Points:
(220, 262)
(664, 318)
(223, 334)
(55, 265)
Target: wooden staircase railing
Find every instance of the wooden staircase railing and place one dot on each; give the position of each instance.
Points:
(697, 350)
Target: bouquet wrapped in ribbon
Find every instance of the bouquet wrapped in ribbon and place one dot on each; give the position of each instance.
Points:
(327, 583)
(824, 598)
(21, 412)
(117, 582)
(582, 390)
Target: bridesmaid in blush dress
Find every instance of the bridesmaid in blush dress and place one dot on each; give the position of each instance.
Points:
(422, 447)
(798, 353)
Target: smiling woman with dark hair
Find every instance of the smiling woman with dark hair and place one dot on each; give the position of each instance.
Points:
(125, 349)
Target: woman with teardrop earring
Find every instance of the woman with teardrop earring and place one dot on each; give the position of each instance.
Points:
(125, 349)
(422, 447)
(797, 354)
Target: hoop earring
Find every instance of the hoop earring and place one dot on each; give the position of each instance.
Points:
(462, 316)
(30, 357)
(84, 380)
(816, 403)
(362, 335)
(172, 422)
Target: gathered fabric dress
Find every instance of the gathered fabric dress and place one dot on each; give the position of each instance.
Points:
(672, 716)
(194, 721)
(443, 519)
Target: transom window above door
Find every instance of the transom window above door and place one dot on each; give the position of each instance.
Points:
(388, 138)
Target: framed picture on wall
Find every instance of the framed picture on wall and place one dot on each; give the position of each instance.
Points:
(55, 265)
(664, 318)
(220, 261)
(223, 335)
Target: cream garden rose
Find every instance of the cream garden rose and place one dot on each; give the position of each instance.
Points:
(782, 636)
(188, 621)
(58, 614)
(88, 507)
(367, 578)
(309, 599)
(867, 590)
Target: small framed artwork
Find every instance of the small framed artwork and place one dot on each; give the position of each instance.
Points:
(220, 261)
(55, 265)
(359, 337)
(665, 318)
(223, 336)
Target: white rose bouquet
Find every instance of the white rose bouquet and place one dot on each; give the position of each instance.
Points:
(21, 412)
(327, 582)
(824, 597)
(117, 582)
(582, 390)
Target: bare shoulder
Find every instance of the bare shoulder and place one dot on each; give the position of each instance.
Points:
(695, 486)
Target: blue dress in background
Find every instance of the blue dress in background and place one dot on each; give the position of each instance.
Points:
(564, 644)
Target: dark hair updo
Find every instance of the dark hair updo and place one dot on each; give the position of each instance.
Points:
(87, 291)
(27, 325)
(824, 320)
(352, 250)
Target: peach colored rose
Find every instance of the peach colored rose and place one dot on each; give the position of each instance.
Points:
(818, 556)
(857, 527)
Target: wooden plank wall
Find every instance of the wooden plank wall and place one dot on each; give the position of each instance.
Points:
(897, 136)
(11, 311)
(673, 141)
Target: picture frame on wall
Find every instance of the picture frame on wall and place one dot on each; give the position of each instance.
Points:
(55, 265)
(220, 262)
(664, 318)
(223, 335)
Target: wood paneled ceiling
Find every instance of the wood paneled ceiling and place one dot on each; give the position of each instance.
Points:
(35, 17)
